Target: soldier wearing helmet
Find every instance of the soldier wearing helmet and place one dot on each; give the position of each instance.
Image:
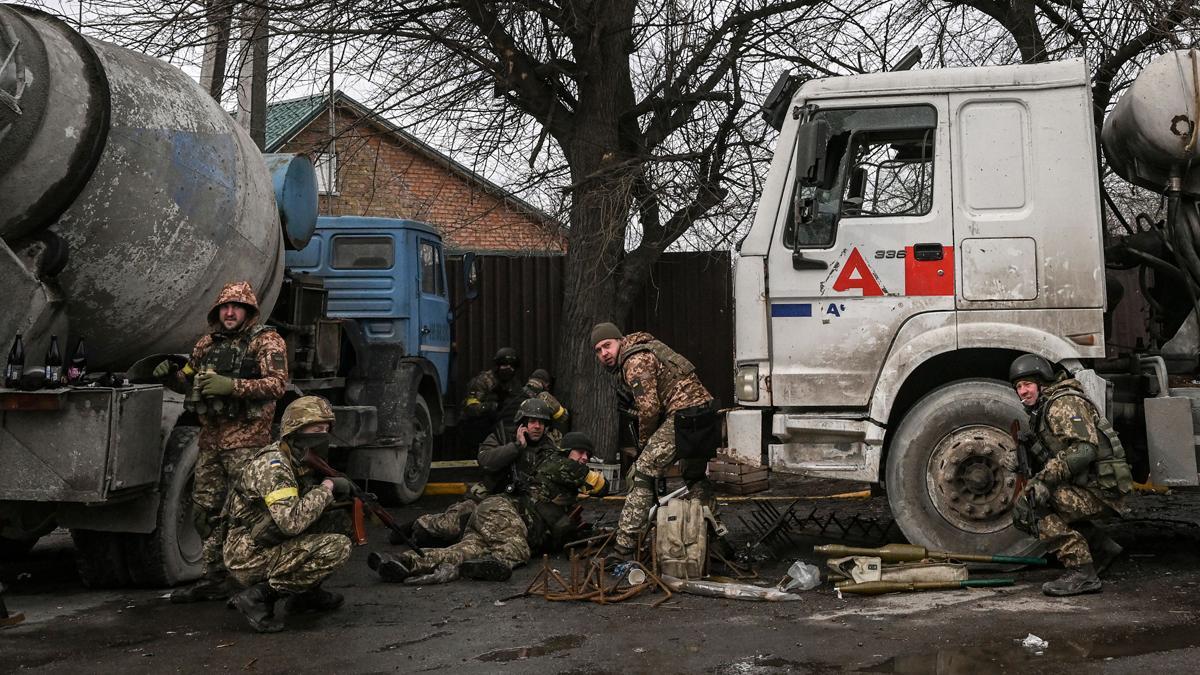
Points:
(677, 421)
(538, 386)
(532, 513)
(277, 546)
(232, 380)
(492, 397)
(1080, 475)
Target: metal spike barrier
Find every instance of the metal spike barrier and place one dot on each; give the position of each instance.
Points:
(766, 524)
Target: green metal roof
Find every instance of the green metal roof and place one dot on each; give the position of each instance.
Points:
(285, 118)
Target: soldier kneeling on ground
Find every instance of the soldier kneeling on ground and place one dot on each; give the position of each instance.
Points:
(283, 539)
(534, 513)
(1081, 475)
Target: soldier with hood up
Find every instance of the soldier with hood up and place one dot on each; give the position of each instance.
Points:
(232, 380)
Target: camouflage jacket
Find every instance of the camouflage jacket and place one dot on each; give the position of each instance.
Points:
(268, 351)
(270, 495)
(506, 464)
(487, 395)
(562, 418)
(555, 486)
(659, 381)
(1068, 427)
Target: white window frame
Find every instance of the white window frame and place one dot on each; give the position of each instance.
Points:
(326, 165)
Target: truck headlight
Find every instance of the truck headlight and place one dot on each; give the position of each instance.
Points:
(747, 383)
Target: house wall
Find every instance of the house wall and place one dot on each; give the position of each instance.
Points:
(378, 174)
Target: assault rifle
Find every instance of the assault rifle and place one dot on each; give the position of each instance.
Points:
(1023, 471)
(901, 553)
(370, 501)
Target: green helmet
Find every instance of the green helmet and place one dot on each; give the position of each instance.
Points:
(302, 412)
(1031, 367)
(534, 408)
(506, 356)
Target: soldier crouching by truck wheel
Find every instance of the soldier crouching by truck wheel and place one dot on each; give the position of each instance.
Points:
(492, 396)
(1081, 476)
(235, 375)
(277, 546)
(677, 420)
(534, 515)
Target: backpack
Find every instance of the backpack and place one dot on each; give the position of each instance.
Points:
(681, 539)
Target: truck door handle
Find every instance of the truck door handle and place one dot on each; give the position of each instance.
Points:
(799, 262)
(425, 330)
(927, 251)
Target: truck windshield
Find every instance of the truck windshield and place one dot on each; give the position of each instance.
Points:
(353, 252)
(878, 162)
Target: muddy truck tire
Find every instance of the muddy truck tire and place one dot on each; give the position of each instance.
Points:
(171, 554)
(945, 485)
(417, 462)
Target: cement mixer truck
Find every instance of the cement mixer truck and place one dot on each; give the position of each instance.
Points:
(918, 230)
(128, 198)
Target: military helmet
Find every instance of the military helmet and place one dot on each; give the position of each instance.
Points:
(534, 408)
(577, 440)
(540, 374)
(1031, 367)
(506, 356)
(304, 411)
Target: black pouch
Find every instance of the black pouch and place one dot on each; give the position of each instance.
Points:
(697, 432)
(266, 533)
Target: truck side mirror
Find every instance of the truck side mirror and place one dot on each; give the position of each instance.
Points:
(470, 280)
(812, 143)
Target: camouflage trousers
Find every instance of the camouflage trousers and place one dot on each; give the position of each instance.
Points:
(654, 459)
(216, 470)
(449, 524)
(1069, 505)
(297, 565)
(495, 529)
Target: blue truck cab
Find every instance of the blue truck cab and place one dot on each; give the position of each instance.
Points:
(384, 288)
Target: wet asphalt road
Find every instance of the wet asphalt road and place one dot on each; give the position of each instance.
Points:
(1147, 618)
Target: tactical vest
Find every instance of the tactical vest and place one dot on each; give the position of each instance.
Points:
(230, 356)
(1110, 472)
(674, 362)
(255, 515)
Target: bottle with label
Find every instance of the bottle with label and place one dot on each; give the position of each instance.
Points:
(54, 364)
(16, 363)
(78, 366)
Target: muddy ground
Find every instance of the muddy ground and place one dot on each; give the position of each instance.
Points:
(1145, 619)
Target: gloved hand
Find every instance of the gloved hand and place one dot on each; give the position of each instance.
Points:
(1038, 494)
(342, 488)
(209, 383)
(1008, 461)
(200, 522)
(163, 369)
(1024, 518)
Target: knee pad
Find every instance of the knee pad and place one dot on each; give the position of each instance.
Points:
(642, 480)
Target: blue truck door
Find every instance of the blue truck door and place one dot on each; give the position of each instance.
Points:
(433, 339)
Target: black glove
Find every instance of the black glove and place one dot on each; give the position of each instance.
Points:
(342, 488)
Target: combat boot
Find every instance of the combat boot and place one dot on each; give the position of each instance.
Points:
(444, 573)
(485, 569)
(388, 566)
(257, 604)
(313, 600)
(1077, 581)
(209, 587)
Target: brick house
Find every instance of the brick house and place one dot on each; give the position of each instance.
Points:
(378, 169)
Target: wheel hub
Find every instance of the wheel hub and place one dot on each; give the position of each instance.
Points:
(967, 484)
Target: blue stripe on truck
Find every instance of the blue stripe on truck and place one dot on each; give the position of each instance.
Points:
(786, 309)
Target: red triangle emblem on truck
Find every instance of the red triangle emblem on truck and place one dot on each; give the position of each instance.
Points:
(856, 274)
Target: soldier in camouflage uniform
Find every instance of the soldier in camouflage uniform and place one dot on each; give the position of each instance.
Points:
(235, 375)
(538, 386)
(277, 546)
(534, 515)
(1081, 474)
(492, 396)
(677, 420)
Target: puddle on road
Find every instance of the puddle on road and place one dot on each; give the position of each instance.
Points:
(550, 645)
(1115, 643)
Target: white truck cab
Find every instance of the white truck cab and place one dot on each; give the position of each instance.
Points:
(917, 232)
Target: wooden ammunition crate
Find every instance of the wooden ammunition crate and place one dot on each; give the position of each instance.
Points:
(738, 479)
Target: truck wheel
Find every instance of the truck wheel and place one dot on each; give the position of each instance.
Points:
(173, 552)
(945, 484)
(100, 558)
(416, 466)
(15, 549)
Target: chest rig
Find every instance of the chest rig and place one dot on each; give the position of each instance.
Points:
(229, 356)
(1110, 472)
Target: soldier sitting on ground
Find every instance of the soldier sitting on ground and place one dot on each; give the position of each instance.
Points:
(492, 397)
(283, 542)
(1081, 475)
(532, 513)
